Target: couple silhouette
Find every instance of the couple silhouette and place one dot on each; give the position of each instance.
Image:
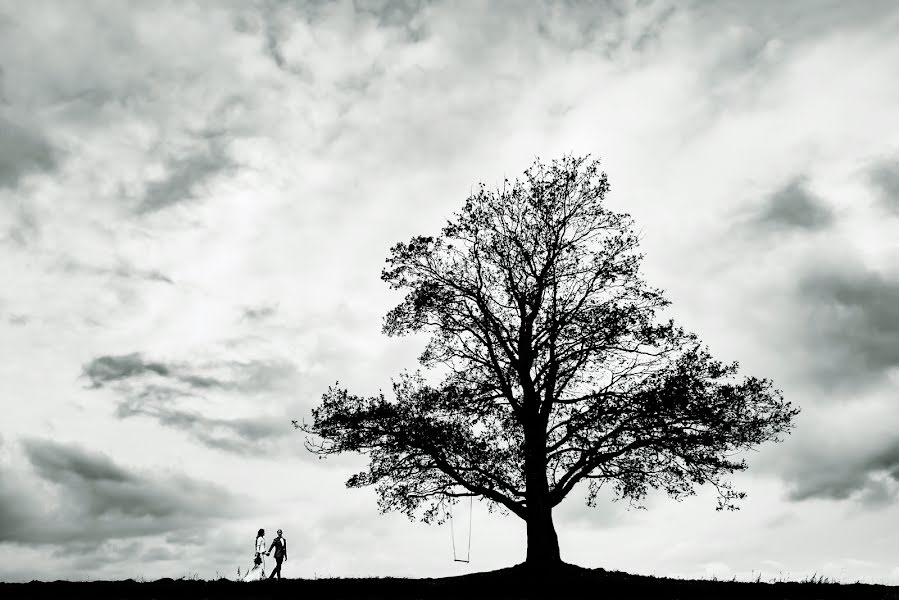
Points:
(280, 546)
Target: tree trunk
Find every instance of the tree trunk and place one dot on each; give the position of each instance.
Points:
(543, 543)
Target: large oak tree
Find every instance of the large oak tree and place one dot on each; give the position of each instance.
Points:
(548, 365)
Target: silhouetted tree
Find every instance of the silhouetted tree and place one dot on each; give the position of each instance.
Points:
(552, 367)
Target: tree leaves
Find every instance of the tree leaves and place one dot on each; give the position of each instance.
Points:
(555, 367)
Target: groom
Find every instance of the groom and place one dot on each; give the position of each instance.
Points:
(280, 546)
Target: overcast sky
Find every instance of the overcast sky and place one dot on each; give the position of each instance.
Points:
(196, 200)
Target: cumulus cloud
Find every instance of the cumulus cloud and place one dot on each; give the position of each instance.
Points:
(869, 474)
(186, 172)
(794, 207)
(24, 150)
(850, 321)
(86, 497)
(884, 176)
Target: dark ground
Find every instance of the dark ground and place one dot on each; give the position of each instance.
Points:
(569, 581)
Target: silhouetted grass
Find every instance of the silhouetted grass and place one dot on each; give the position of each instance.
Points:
(567, 581)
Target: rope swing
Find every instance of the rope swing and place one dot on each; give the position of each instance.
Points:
(456, 557)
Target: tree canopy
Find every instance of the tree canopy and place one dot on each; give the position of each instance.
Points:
(548, 364)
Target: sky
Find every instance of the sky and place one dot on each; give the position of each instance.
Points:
(197, 199)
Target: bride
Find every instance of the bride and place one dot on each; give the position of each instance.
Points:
(257, 571)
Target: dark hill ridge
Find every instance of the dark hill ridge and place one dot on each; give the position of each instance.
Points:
(567, 581)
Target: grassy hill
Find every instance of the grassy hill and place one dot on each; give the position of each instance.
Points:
(569, 581)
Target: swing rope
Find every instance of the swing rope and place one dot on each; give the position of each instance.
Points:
(453, 533)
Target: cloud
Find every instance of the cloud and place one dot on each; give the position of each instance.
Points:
(23, 151)
(238, 435)
(159, 553)
(407, 16)
(106, 369)
(164, 391)
(186, 171)
(273, 22)
(18, 319)
(53, 461)
(259, 313)
(272, 32)
(884, 176)
(794, 207)
(849, 319)
(86, 497)
(25, 227)
(246, 376)
(122, 270)
(17, 513)
(870, 475)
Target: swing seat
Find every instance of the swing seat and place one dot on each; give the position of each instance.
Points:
(449, 514)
